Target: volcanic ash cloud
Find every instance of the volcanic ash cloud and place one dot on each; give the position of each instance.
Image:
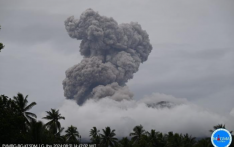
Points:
(112, 54)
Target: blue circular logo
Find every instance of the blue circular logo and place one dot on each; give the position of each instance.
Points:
(221, 138)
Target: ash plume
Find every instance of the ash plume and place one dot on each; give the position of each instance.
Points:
(112, 54)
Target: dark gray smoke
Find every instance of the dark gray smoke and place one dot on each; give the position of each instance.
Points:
(112, 54)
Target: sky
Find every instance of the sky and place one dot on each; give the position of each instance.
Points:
(192, 57)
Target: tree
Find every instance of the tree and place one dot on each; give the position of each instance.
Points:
(94, 134)
(38, 133)
(219, 126)
(153, 138)
(188, 141)
(205, 142)
(54, 117)
(22, 107)
(162, 140)
(177, 140)
(58, 137)
(12, 124)
(137, 134)
(232, 144)
(72, 134)
(125, 142)
(1, 45)
(107, 138)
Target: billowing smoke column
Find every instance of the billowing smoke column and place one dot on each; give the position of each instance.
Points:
(112, 54)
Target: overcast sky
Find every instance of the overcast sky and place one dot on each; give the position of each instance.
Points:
(192, 56)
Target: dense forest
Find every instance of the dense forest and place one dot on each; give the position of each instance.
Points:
(19, 125)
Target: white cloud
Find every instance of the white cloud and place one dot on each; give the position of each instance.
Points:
(123, 116)
(232, 112)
